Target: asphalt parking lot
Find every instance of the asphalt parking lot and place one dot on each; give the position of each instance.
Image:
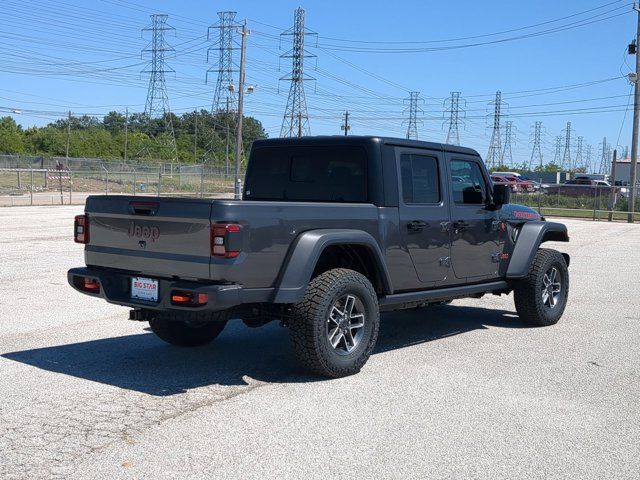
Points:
(463, 391)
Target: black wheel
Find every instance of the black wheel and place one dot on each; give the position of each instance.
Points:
(199, 330)
(541, 297)
(335, 328)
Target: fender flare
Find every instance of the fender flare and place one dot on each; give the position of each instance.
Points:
(305, 252)
(531, 235)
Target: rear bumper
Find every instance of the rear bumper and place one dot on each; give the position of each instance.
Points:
(115, 287)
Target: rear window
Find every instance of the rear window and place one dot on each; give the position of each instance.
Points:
(308, 174)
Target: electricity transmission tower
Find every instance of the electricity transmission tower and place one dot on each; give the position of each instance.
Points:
(452, 108)
(536, 151)
(509, 138)
(587, 160)
(566, 156)
(605, 155)
(412, 121)
(579, 161)
(494, 155)
(223, 96)
(157, 104)
(558, 146)
(296, 118)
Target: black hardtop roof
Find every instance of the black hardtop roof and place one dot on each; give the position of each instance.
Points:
(360, 140)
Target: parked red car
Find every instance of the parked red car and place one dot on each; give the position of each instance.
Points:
(510, 181)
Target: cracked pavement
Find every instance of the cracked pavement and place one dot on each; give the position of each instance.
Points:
(463, 391)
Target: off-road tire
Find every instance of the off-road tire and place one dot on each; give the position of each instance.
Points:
(201, 328)
(527, 292)
(310, 318)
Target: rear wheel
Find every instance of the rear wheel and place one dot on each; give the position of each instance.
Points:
(541, 297)
(198, 330)
(335, 328)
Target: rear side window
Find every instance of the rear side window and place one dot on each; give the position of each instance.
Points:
(308, 174)
(468, 184)
(420, 179)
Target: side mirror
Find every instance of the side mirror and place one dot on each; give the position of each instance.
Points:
(501, 195)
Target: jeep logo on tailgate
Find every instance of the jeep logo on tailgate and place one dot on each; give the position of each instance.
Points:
(143, 231)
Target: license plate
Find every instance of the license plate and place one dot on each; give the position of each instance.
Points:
(144, 289)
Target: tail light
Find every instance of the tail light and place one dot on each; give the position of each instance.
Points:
(87, 284)
(81, 229)
(226, 240)
(189, 299)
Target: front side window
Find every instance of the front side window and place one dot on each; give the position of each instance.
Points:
(420, 180)
(468, 185)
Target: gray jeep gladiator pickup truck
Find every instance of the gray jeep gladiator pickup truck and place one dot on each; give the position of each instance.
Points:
(330, 231)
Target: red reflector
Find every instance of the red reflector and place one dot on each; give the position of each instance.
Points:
(232, 254)
(203, 298)
(90, 285)
(180, 298)
(81, 229)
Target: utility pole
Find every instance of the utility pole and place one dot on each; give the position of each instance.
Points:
(68, 138)
(636, 120)
(536, 152)
(226, 149)
(612, 199)
(345, 126)
(494, 155)
(126, 133)
(236, 185)
(195, 138)
(412, 121)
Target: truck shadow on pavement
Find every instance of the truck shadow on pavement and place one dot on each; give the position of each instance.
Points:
(143, 363)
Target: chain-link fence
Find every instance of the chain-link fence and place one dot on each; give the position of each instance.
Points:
(35, 186)
(596, 201)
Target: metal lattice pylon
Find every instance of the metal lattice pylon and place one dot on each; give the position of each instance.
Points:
(494, 155)
(455, 112)
(224, 94)
(557, 158)
(605, 156)
(509, 139)
(567, 164)
(296, 117)
(536, 151)
(412, 110)
(157, 104)
(579, 161)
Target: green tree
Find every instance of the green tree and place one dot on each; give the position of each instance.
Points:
(11, 136)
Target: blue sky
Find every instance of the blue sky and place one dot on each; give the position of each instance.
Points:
(85, 56)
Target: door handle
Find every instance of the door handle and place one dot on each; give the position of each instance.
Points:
(460, 225)
(417, 225)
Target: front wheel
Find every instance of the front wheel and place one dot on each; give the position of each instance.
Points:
(541, 297)
(335, 328)
(195, 332)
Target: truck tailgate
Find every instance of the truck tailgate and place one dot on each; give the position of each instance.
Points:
(151, 236)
